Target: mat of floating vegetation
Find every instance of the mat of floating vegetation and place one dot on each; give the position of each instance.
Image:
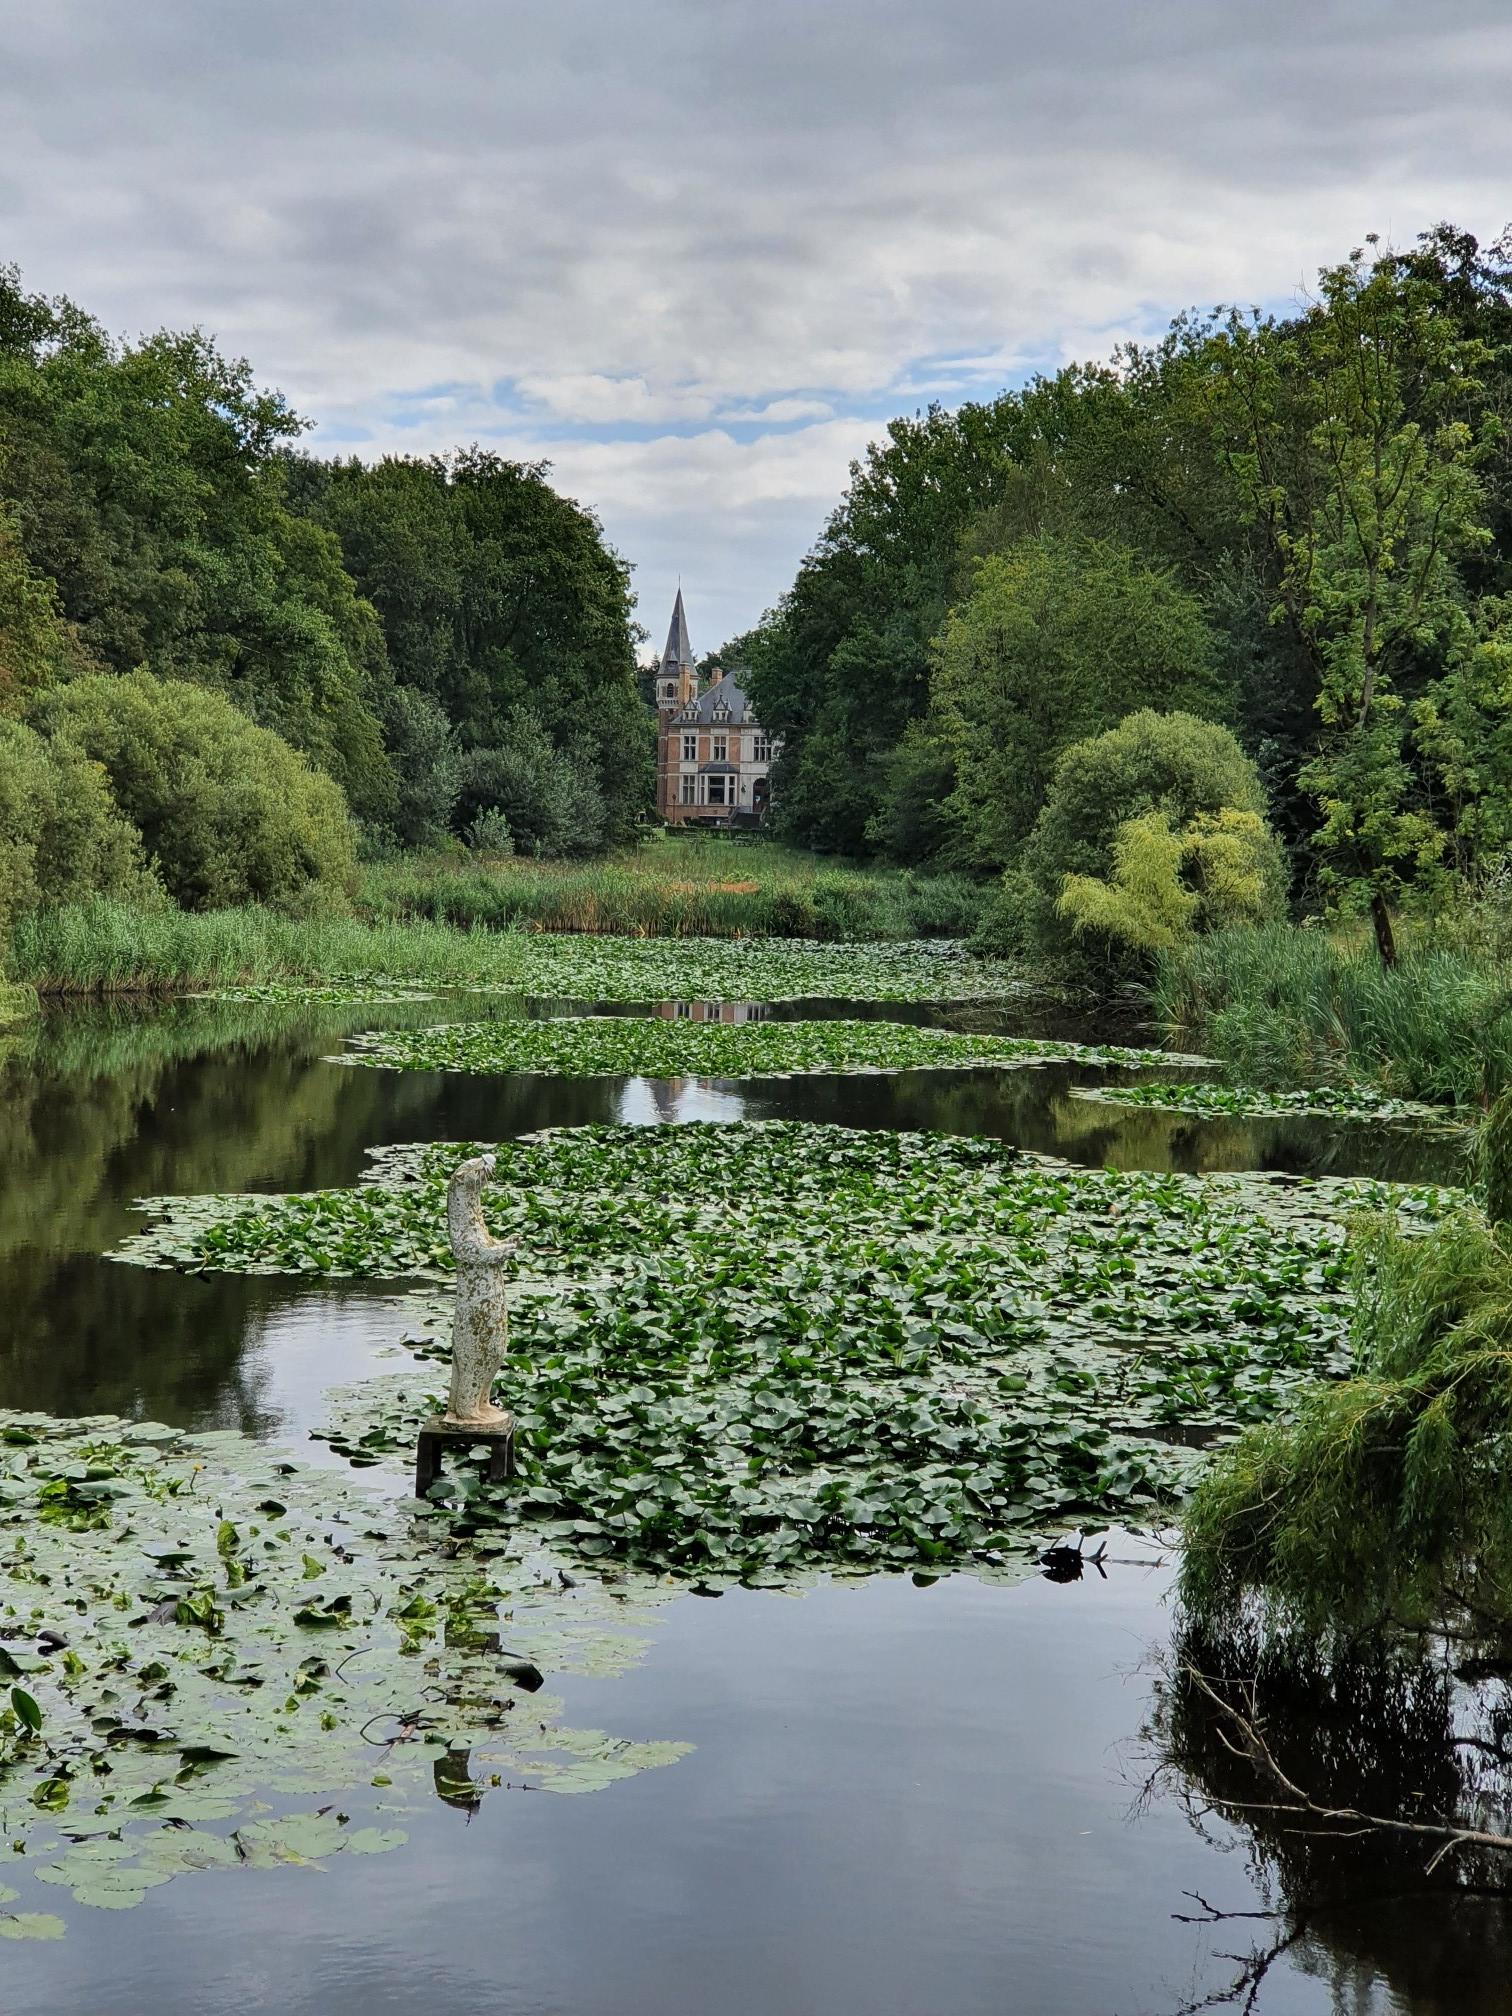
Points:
(203, 1644)
(585, 968)
(374, 987)
(542, 966)
(596, 1046)
(1250, 1102)
(742, 1351)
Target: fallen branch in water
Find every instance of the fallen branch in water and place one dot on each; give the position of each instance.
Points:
(1248, 1742)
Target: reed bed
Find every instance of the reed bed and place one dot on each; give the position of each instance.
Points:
(1285, 1007)
(103, 947)
(707, 888)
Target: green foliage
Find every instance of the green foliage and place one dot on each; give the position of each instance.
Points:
(18, 1003)
(912, 823)
(103, 947)
(427, 767)
(1353, 436)
(36, 645)
(1057, 641)
(496, 595)
(1495, 1162)
(62, 837)
(743, 1351)
(1384, 1495)
(1326, 502)
(148, 489)
(1219, 869)
(550, 797)
(595, 1046)
(246, 1640)
(153, 515)
(227, 812)
(488, 833)
(706, 887)
(1250, 1102)
(1283, 1007)
(1174, 768)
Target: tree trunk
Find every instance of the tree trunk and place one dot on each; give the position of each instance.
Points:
(1385, 937)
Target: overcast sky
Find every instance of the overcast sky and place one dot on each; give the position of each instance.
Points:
(695, 251)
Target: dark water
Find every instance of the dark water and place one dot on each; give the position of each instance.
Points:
(902, 1799)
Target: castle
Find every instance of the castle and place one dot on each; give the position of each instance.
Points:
(713, 758)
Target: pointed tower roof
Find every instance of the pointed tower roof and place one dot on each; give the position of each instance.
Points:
(679, 649)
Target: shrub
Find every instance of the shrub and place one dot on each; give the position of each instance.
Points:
(227, 811)
(489, 833)
(1166, 884)
(1183, 771)
(1384, 1494)
(549, 796)
(61, 837)
(427, 766)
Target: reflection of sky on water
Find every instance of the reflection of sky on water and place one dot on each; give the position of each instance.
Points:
(652, 1102)
(905, 1802)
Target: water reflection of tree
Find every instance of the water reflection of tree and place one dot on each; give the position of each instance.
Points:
(1382, 1731)
(99, 1106)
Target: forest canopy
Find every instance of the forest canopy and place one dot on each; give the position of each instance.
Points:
(1295, 526)
(402, 626)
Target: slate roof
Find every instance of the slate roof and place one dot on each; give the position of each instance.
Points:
(702, 709)
(679, 649)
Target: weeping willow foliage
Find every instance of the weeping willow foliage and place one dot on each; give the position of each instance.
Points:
(1388, 1494)
(1167, 883)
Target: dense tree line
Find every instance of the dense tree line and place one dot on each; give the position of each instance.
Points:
(441, 640)
(1299, 528)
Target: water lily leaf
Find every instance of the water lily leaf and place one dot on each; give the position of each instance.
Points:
(30, 1925)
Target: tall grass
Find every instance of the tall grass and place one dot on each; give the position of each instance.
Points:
(1384, 1494)
(707, 888)
(1281, 1007)
(442, 922)
(103, 947)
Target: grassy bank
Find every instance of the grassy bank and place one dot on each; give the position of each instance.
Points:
(109, 948)
(449, 921)
(679, 888)
(104, 947)
(1286, 1007)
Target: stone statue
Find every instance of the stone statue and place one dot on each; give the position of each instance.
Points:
(480, 1327)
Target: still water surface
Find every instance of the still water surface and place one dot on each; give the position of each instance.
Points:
(920, 1800)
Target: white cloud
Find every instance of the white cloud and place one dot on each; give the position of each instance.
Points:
(689, 212)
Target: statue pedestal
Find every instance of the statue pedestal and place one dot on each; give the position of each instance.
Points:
(437, 1433)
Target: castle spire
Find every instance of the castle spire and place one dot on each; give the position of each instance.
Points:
(679, 651)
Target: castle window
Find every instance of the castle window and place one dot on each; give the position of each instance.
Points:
(690, 748)
(761, 748)
(686, 794)
(716, 790)
(721, 748)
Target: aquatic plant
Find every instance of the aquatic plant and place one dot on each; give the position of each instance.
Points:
(1250, 1102)
(1285, 1007)
(739, 1352)
(204, 1643)
(591, 1046)
(103, 948)
(1384, 1495)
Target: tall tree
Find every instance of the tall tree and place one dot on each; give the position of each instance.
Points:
(1353, 437)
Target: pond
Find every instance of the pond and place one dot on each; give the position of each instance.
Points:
(903, 1795)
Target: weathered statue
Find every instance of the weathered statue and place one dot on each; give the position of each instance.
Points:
(480, 1327)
